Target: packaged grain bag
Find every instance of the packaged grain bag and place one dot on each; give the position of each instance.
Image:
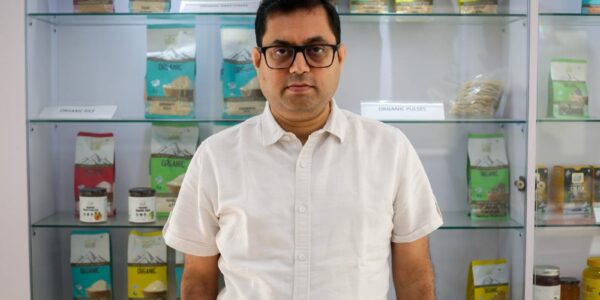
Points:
(488, 176)
(91, 265)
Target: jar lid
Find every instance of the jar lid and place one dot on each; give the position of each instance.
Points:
(92, 192)
(141, 192)
(594, 261)
(547, 270)
(569, 280)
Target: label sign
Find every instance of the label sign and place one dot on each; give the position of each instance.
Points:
(204, 6)
(394, 111)
(78, 112)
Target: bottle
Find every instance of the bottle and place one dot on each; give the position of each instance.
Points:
(142, 205)
(93, 205)
(547, 283)
(591, 279)
(569, 288)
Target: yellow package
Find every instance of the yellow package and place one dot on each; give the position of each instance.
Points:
(146, 266)
(488, 280)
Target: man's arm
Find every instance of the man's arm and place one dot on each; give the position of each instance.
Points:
(412, 270)
(200, 278)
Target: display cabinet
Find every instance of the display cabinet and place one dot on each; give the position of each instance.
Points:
(566, 231)
(100, 59)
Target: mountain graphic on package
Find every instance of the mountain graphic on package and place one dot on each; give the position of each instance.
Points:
(148, 258)
(89, 257)
(488, 162)
(242, 56)
(175, 150)
(95, 159)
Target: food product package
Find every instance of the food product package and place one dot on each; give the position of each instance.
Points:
(488, 177)
(91, 265)
(478, 6)
(596, 186)
(170, 71)
(179, 260)
(571, 190)
(541, 190)
(95, 166)
(240, 86)
(149, 6)
(146, 266)
(590, 7)
(414, 6)
(478, 98)
(171, 150)
(369, 6)
(568, 93)
(93, 6)
(488, 280)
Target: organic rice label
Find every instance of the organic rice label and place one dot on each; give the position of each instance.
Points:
(146, 266)
(90, 265)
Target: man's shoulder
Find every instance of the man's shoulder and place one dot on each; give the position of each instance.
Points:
(232, 135)
(372, 129)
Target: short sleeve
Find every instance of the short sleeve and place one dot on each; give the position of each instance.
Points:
(192, 225)
(416, 213)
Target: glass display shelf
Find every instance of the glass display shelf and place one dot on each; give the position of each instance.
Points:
(66, 219)
(66, 19)
(570, 120)
(569, 19)
(234, 121)
(461, 220)
(452, 220)
(555, 220)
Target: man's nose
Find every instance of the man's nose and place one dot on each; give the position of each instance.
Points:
(300, 65)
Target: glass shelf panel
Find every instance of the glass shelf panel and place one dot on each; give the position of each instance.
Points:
(565, 221)
(66, 219)
(573, 120)
(569, 19)
(461, 220)
(233, 121)
(452, 220)
(67, 19)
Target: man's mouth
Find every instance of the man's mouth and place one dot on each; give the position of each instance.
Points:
(299, 87)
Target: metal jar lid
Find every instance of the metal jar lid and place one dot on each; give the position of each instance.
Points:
(142, 192)
(569, 280)
(549, 271)
(92, 192)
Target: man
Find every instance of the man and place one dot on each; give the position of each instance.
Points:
(304, 201)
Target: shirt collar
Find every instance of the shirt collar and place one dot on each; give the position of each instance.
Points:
(271, 131)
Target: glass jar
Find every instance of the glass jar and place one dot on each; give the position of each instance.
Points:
(93, 205)
(142, 205)
(569, 288)
(591, 279)
(547, 283)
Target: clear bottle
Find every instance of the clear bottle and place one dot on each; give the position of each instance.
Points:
(591, 279)
(547, 283)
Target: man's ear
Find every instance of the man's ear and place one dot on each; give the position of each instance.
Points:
(256, 58)
(341, 54)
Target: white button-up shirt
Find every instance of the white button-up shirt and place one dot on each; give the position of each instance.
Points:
(311, 221)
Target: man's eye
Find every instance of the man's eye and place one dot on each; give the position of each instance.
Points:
(281, 51)
(316, 49)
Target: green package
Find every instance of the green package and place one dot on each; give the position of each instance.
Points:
(488, 177)
(173, 146)
(170, 71)
(568, 94)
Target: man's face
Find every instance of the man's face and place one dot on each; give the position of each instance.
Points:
(300, 92)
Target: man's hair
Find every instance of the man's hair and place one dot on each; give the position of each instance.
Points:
(270, 7)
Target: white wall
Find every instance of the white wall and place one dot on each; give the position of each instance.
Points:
(14, 224)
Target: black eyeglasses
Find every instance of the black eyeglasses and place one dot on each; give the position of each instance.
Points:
(316, 56)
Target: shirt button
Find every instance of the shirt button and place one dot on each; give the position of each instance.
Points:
(302, 164)
(302, 209)
(301, 257)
